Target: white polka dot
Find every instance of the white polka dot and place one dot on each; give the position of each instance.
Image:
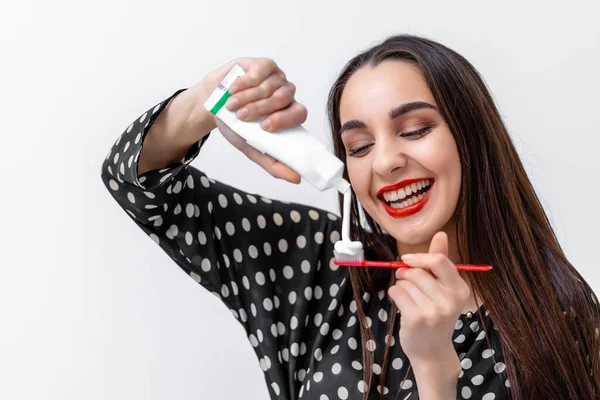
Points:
(230, 228)
(251, 198)
(313, 215)
(352, 343)
(276, 301)
(295, 216)
(334, 236)
(371, 345)
(356, 365)
(335, 349)
(260, 278)
(177, 209)
(308, 293)
(266, 200)
(397, 363)
(488, 396)
(407, 384)
(246, 282)
(246, 225)
(466, 363)
(283, 246)
(253, 340)
(243, 315)
(253, 251)
(195, 276)
(292, 297)
(389, 340)
(222, 201)
(288, 272)
(305, 266)
(332, 305)
(205, 265)
(237, 198)
(499, 367)
(155, 238)
(280, 328)
(318, 319)
(131, 198)
(325, 329)
(224, 291)
(253, 309)
(507, 383)
(323, 397)
(477, 380)
(333, 290)
(294, 348)
(113, 184)
(362, 386)
(189, 238)
(275, 388)
(226, 260)
(318, 293)
(337, 334)
(458, 325)
(332, 217)
(376, 369)
(278, 219)
(318, 376)
(353, 306)
(301, 242)
(237, 255)
(268, 304)
(474, 326)
(466, 392)
(351, 321)
(383, 316)
(294, 322)
(267, 249)
(272, 275)
(460, 338)
(487, 353)
(261, 221)
(342, 393)
(217, 232)
(318, 355)
(336, 369)
(319, 237)
(201, 237)
(285, 354)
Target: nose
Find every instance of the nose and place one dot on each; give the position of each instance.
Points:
(387, 158)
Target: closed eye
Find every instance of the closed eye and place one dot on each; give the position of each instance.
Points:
(360, 151)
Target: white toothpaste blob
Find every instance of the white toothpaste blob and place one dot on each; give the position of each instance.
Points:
(347, 247)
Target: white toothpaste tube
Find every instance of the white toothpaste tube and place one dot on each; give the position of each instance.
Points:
(295, 147)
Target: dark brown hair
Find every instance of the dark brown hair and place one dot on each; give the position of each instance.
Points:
(545, 312)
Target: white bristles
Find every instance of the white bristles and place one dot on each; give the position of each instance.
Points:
(343, 257)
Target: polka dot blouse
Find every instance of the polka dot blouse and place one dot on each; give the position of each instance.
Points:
(271, 263)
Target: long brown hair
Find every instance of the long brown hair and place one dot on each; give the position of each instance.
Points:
(545, 312)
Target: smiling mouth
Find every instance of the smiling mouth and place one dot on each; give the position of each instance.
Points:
(407, 196)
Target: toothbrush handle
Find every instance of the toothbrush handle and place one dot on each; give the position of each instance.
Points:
(398, 264)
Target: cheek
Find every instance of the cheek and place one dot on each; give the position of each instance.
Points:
(360, 178)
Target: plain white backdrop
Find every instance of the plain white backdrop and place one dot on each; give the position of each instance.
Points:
(90, 307)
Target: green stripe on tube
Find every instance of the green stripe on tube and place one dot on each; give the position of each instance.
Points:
(221, 102)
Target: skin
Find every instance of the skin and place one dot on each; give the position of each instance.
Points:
(432, 294)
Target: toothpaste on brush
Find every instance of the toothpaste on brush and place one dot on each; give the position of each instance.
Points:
(296, 148)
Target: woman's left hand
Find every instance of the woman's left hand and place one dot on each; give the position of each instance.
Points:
(430, 296)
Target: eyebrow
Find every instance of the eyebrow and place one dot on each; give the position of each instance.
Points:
(394, 113)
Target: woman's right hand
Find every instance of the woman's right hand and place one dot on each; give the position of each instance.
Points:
(263, 91)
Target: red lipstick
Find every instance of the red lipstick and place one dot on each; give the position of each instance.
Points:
(406, 211)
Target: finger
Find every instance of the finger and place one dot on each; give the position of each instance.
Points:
(417, 295)
(272, 166)
(403, 300)
(256, 72)
(263, 91)
(439, 243)
(281, 98)
(441, 267)
(294, 115)
(425, 282)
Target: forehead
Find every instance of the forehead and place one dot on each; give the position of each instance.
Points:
(378, 89)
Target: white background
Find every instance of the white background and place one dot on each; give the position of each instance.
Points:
(90, 307)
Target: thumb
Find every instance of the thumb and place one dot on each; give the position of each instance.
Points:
(439, 243)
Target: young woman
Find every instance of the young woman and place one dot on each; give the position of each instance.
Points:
(409, 117)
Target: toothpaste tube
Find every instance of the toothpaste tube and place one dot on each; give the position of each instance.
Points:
(295, 147)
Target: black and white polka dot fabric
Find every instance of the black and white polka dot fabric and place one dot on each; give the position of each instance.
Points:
(271, 263)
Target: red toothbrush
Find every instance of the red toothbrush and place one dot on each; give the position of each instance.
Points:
(399, 264)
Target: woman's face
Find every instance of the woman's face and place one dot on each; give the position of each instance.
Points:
(402, 160)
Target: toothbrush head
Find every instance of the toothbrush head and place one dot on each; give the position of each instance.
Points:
(349, 260)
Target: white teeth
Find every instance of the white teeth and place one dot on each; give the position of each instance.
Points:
(396, 195)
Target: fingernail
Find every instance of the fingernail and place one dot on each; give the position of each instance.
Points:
(407, 256)
(266, 125)
(232, 103)
(241, 114)
(233, 89)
